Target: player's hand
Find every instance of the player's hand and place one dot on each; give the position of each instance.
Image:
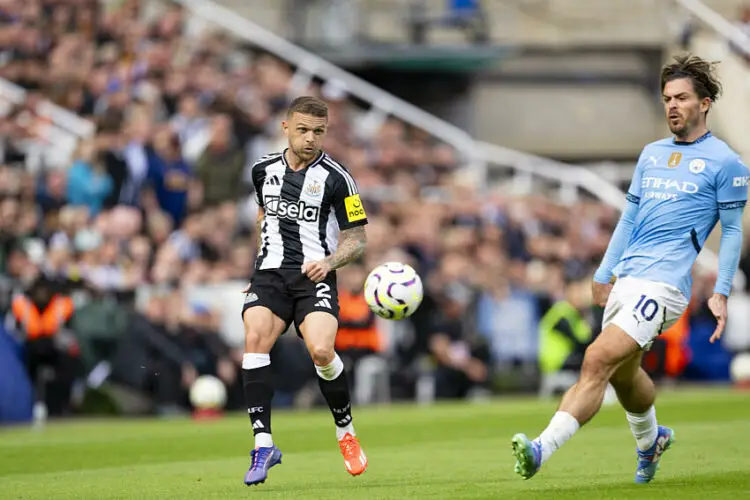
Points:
(316, 271)
(718, 306)
(600, 293)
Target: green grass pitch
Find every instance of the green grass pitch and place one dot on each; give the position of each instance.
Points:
(453, 451)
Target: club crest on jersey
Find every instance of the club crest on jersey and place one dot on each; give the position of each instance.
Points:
(674, 160)
(314, 189)
(697, 166)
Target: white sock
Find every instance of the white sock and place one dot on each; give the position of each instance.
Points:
(332, 370)
(263, 440)
(251, 361)
(342, 431)
(644, 428)
(561, 428)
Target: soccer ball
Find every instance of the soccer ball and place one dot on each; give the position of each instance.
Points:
(393, 290)
(208, 393)
(739, 370)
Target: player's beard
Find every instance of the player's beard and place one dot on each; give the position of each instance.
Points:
(683, 126)
(306, 155)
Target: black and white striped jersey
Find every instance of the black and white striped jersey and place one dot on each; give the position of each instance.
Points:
(304, 210)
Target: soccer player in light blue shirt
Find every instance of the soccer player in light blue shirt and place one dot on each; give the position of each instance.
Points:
(682, 186)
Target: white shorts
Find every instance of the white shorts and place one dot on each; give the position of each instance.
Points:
(644, 309)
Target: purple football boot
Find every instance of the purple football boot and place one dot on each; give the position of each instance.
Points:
(262, 459)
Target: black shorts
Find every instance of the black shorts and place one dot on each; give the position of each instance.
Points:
(291, 295)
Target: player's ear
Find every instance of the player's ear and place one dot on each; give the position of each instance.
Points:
(285, 127)
(705, 105)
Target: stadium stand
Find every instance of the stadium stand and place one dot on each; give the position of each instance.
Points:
(123, 179)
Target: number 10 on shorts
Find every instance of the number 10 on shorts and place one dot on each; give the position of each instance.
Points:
(647, 307)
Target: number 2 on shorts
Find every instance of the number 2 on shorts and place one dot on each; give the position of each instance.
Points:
(647, 307)
(322, 290)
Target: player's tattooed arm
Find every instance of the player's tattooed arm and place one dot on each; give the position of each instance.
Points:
(351, 247)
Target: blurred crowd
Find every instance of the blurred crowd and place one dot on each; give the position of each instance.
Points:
(160, 196)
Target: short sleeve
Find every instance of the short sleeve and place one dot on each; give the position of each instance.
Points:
(731, 184)
(634, 191)
(258, 176)
(350, 211)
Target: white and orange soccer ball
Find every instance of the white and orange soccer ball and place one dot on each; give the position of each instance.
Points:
(393, 290)
(739, 370)
(208, 393)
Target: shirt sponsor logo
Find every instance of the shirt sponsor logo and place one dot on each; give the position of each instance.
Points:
(740, 181)
(669, 185)
(354, 209)
(285, 209)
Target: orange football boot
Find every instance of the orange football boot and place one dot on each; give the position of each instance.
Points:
(354, 458)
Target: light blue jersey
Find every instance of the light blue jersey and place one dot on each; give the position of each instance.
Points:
(678, 194)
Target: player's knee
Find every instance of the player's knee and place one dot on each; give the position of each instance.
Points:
(597, 365)
(258, 332)
(254, 341)
(322, 355)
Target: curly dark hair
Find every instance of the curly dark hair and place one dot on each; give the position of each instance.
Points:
(700, 72)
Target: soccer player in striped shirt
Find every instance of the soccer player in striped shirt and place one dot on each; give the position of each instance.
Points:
(682, 187)
(310, 223)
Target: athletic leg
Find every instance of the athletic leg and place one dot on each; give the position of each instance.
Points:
(265, 315)
(582, 401)
(262, 329)
(602, 359)
(637, 393)
(318, 329)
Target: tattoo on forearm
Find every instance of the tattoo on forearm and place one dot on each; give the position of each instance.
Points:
(351, 247)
